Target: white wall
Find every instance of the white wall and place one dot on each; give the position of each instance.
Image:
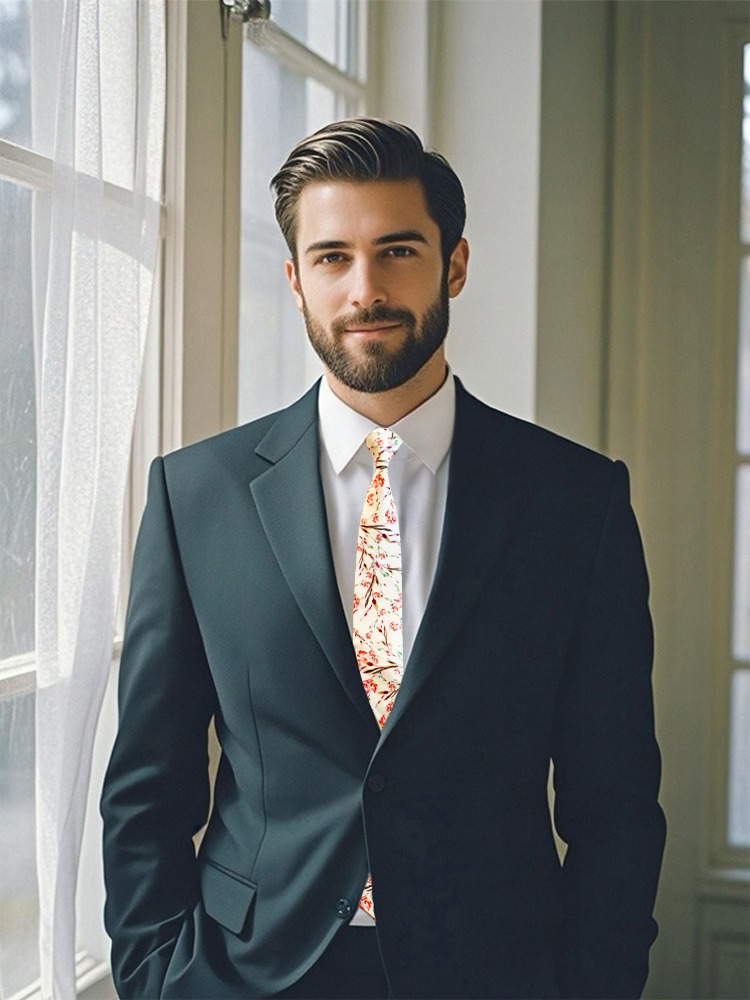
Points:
(486, 112)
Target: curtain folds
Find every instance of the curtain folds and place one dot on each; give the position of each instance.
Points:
(95, 254)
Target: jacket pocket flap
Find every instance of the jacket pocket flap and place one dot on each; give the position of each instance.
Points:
(226, 896)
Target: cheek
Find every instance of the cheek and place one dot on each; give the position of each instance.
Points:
(425, 298)
(325, 299)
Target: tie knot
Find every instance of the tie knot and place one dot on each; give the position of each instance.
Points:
(383, 445)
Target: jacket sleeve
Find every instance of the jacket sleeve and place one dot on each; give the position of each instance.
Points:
(607, 771)
(156, 792)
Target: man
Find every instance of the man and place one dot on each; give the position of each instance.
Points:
(389, 680)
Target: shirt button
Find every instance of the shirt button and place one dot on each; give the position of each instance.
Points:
(376, 782)
(344, 908)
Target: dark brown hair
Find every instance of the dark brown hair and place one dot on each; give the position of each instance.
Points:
(368, 149)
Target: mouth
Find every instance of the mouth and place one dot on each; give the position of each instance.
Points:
(371, 329)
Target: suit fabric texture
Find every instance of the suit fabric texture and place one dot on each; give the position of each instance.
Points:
(536, 644)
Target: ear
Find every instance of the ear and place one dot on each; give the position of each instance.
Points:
(291, 276)
(457, 267)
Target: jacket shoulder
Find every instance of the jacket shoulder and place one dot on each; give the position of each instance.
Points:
(518, 441)
(245, 450)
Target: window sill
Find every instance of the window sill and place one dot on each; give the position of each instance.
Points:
(17, 675)
(90, 972)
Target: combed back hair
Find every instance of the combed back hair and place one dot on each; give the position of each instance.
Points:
(368, 149)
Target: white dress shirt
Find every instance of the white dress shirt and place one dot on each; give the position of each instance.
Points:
(418, 473)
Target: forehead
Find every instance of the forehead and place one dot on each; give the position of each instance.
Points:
(351, 211)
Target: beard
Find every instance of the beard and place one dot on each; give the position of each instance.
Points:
(377, 367)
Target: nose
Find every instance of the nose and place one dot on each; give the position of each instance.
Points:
(367, 288)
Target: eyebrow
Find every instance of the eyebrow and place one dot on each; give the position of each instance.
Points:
(402, 236)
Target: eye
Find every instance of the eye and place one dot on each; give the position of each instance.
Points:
(400, 252)
(332, 257)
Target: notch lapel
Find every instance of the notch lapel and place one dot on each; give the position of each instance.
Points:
(290, 503)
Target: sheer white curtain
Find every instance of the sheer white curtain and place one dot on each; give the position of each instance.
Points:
(98, 76)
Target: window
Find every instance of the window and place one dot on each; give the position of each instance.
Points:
(308, 64)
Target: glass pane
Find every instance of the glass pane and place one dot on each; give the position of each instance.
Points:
(743, 361)
(29, 65)
(275, 362)
(741, 611)
(118, 36)
(15, 72)
(19, 913)
(17, 425)
(739, 761)
(745, 209)
(326, 26)
(29, 57)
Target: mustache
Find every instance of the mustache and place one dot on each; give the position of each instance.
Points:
(378, 314)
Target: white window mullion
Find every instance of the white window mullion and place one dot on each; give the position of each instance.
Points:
(294, 56)
(24, 166)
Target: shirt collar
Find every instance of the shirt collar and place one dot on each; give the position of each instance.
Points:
(427, 431)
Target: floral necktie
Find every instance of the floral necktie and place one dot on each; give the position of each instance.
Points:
(377, 629)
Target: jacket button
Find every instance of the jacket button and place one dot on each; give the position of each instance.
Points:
(344, 908)
(376, 782)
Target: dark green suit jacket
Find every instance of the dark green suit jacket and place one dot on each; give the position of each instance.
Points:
(536, 644)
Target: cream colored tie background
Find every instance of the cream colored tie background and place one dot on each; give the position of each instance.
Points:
(376, 619)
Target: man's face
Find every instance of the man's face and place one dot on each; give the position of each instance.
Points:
(370, 280)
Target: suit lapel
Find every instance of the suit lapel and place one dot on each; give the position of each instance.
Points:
(487, 492)
(291, 506)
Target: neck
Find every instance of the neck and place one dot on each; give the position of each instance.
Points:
(386, 408)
